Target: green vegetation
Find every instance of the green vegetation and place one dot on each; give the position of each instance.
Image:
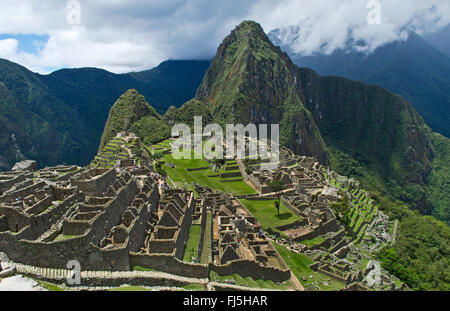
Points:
(277, 186)
(343, 213)
(352, 214)
(132, 112)
(266, 214)
(43, 127)
(49, 286)
(192, 244)
(206, 248)
(298, 263)
(65, 237)
(314, 241)
(140, 268)
(420, 256)
(439, 181)
(58, 118)
(151, 129)
(249, 282)
(370, 134)
(180, 175)
(117, 150)
(410, 68)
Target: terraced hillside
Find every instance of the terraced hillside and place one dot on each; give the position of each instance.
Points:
(363, 211)
(119, 149)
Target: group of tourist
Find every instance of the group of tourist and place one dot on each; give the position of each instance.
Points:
(163, 185)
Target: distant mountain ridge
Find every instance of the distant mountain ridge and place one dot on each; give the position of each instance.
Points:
(59, 118)
(93, 91)
(413, 68)
(440, 40)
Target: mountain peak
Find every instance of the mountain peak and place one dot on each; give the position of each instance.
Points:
(129, 108)
(249, 27)
(252, 81)
(248, 33)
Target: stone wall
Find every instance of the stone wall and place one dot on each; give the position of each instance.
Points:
(229, 175)
(137, 232)
(7, 184)
(57, 253)
(308, 236)
(344, 278)
(202, 232)
(197, 169)
(259, 187)
(265, 198)
(169, 264)
(293, 225)
(41, 205)
(96, 185)
(291, 207)
(24, 192)
(75, 227)
(242, 169)
(246, 268)
(329, 225)
(183, 233)
(338, 245)
(15, 219)
(3, 224)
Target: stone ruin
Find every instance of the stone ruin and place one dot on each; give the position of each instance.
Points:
(237, 237)
(95, 216)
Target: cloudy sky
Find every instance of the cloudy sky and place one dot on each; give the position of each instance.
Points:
(133, 35)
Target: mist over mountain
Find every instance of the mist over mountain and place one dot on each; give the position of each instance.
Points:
(412, 68)
(440, 40)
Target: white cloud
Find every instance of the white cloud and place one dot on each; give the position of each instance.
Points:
(133, 35)
(326, 25)
(8, 48)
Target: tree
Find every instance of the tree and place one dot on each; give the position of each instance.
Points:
(277, 186)
(157, 156)
(277, 206)
(342, 211)
(248, 170)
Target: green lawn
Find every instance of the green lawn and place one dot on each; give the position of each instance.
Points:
(249, 282)
(140, 268)
(49, 286)
(179, 175)
(312, 242)
(206, 248)
(266, 213)
(298, 263)
(192, 243)
(65, 237)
